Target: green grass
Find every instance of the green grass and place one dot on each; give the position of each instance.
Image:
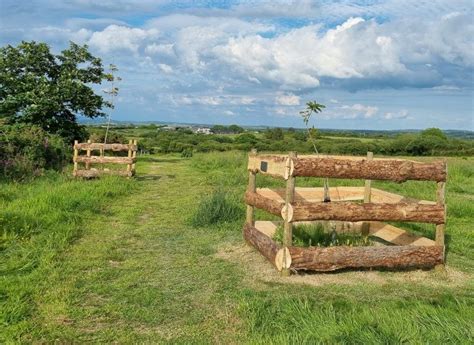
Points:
(307, 235)
(117, 260)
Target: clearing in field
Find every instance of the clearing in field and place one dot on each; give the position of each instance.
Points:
(160, 258)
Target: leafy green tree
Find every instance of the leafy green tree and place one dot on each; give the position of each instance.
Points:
(275, 134)
(50, 91)
(236, 129)
(434, 132)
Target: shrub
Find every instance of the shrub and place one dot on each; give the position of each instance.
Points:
(26, 151)
(187, 153)
(219, 207)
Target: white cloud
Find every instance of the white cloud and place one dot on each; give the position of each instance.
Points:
(160, 49)
(214, 100)
(357, 111)
(402, 114)
(229, 113)
(115, 37)
(287, 99)
(165, 68)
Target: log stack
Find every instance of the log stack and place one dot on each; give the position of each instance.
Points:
(288, 258)
(89, 159)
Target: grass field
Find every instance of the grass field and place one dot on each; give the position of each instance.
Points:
(130, 261)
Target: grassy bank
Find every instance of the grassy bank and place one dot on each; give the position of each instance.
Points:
(39, 221)
(165, 262)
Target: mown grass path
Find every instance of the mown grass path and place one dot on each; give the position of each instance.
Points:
(141, 273)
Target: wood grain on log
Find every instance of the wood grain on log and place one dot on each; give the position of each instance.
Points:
(264, 244)
(98, 146)
(378, 169)
(98, 159)
(261, 202)
(273, 165)
(334, 258)
(350, 211)
(96, 173)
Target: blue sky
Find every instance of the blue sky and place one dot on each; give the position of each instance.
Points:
(393, 64)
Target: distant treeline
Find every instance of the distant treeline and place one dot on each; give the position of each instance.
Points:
(430, 142)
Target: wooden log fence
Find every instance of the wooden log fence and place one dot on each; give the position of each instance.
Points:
(399, 255)
(89, 159)
(397, 170)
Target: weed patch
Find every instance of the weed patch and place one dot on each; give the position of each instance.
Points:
(219, 207)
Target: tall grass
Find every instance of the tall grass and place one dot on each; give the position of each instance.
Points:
(307, 235)
(219, 207)
(38, 221)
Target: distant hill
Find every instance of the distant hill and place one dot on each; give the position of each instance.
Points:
(453, 133)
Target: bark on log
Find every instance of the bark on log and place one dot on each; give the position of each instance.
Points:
(98, 146)
(259, 201)
(354, 212)
(272, 165)
(98, 159)
(379, 169)
(264, 244)
(334, 258)
(96, 173)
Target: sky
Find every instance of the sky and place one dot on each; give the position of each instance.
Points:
(392, 64)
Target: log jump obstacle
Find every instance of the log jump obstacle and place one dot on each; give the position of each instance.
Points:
(361, 209)
(89, 159)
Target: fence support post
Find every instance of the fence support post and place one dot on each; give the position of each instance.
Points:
(288, 226)
(129, 166)
(88, 154)
(367, 197)
(134, 155)
(76, 153)
(252, 187)
(440, 200)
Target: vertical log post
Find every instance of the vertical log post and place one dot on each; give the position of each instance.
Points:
(367, 197)
(440, 200)
(129, 166)
(252, 187)
(134, 155)
(288, 227)
(88, 153)
(76, 153)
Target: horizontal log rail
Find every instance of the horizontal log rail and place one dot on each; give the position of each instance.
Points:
(105, 160)
(377, 169)
(272, 165)
(95, 173)
(325, 259)
(270, 205)
(351, 211)
(263, 243)
(334, 258)
(105, 147)
(354, 212)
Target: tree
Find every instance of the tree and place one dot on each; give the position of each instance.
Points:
(311, 107)
(275, 134)
(434, 132)
(50, 91)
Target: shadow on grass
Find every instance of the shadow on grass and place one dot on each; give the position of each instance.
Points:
(148, 177)
(158, 160)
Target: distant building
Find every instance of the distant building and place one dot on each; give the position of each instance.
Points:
(202, 130)
(167, 128)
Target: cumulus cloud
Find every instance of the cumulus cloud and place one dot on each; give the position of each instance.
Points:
(165, 68)
(214, 100)
(357, 110)
(116, 37)
(287, 99)
(402, 114)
